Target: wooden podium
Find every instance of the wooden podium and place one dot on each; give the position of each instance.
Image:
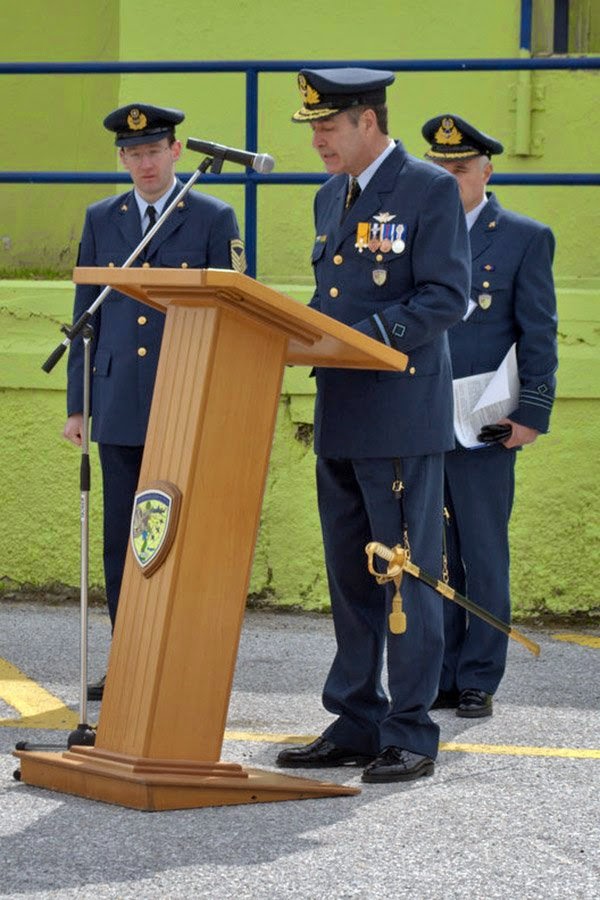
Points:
(227, 339)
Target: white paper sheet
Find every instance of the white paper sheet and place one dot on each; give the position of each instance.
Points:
(484, 399)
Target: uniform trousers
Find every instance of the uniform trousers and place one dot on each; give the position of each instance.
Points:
(479, 492)
(120, 474)
(357, 505)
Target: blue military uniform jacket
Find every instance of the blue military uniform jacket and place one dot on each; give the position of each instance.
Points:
(513, 288)
(424, 290)
(128, 334)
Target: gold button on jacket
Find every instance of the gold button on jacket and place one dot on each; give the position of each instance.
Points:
(142, 351)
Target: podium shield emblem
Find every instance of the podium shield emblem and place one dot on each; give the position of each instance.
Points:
(153, 524)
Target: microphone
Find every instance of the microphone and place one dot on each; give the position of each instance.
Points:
(260, 162)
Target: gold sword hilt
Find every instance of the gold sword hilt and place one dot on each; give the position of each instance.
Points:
(396, 559)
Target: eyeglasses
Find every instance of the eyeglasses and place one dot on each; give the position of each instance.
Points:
(136, 156)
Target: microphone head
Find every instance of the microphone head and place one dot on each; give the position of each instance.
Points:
(263, 163)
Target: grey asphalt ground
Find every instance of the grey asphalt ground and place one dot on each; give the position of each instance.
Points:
(487, 825)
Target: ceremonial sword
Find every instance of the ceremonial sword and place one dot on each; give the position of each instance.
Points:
(399, 562)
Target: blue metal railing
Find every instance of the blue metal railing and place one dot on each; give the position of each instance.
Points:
(251, 69)
(293, 65)
(526, 25)
(515, 178)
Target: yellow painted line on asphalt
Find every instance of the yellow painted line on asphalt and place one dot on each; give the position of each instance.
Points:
(518, 750)
(37, 707)
(584, 640)
(497, 749)
(259, 737)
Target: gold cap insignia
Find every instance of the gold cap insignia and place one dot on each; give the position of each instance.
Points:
(448, 133)
(313, 107)
(309, 95)
(238, 256)
(136, 119)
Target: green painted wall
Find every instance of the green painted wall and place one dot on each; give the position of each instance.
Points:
(554, 525)
(56, 125)
(53, 125)
(57, 120)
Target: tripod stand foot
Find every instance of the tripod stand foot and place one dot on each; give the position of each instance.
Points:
(83, 735)
(25, 745)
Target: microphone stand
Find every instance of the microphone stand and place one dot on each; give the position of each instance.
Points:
(84, 733)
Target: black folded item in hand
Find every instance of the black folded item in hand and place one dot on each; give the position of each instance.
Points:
(493, 434)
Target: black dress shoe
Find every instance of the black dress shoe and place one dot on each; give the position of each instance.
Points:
(321, 754)
(446, 700)
(96, 691)
(474, 704)
(394, 764)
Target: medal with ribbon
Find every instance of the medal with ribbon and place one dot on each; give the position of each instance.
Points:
(362, 236)
(399, 244)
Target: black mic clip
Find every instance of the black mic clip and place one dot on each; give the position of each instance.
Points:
(217, 165)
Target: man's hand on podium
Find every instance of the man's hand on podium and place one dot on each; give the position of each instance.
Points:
(73, 430)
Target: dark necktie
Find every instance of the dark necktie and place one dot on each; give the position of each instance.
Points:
(352, 195)
(151, 213)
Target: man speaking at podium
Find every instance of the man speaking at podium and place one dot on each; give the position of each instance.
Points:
(391, 259)
(201, 233)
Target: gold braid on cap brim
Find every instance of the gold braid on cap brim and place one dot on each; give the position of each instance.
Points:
(434, 154)
(306, 115)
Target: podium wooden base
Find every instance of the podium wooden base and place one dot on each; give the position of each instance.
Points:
(164, 784)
